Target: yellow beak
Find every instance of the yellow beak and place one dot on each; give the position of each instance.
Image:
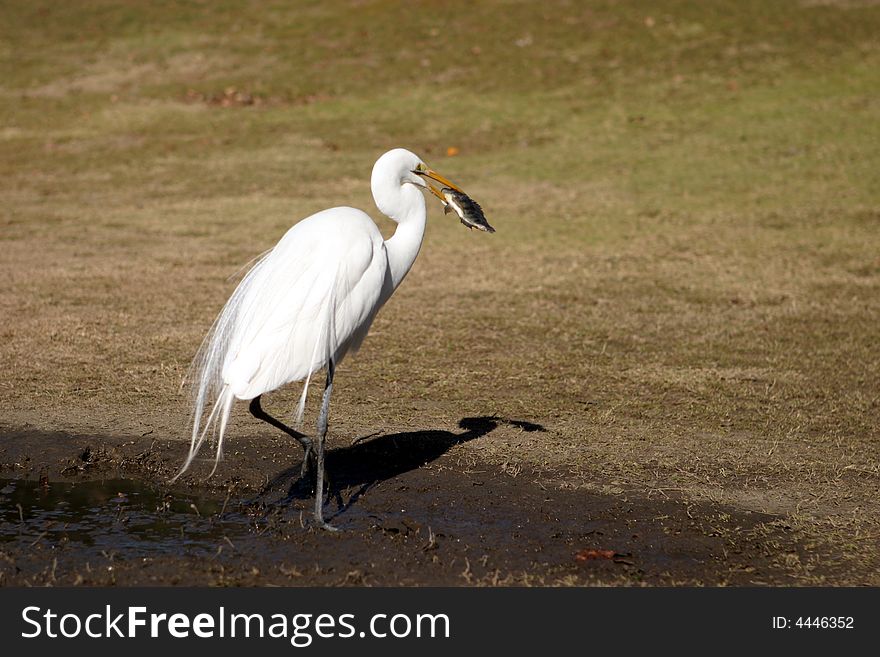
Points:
(436, 192)
(433, 175)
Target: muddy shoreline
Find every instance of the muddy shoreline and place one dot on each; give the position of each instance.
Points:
(410, 513)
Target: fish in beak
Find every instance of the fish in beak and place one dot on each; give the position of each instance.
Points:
(454, 199)
(467, 209)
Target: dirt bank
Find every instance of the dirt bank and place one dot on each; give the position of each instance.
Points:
(95, 510)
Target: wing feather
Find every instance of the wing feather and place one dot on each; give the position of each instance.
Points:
(309, 299)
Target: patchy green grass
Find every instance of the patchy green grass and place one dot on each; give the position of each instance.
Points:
(685, 284)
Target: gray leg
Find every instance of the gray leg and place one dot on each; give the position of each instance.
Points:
(319, 449)
(305, 442)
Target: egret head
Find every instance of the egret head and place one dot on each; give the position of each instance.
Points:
(399, 167)
(402, 166)
(393, 174)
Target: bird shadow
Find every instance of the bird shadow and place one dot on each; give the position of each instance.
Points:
(370, 461)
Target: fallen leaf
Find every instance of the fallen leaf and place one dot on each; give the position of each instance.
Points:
(587, 555)
(610, 555)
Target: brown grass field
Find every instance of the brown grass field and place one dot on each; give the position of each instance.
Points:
(675, 330)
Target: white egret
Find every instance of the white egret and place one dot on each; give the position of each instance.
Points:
(306, 303)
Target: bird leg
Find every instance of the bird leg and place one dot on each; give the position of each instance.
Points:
(304, 441)
(319, 449)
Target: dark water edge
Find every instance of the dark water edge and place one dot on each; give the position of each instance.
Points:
(124, 516)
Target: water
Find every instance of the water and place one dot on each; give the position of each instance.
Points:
(123, 516)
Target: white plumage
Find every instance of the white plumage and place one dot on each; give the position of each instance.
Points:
(310, 298)
(309, 301)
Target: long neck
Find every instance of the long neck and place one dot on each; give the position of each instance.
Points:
(406, 205)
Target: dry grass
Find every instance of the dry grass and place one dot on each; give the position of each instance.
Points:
(684, 288)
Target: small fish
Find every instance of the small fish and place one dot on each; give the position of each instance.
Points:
(467, 209)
